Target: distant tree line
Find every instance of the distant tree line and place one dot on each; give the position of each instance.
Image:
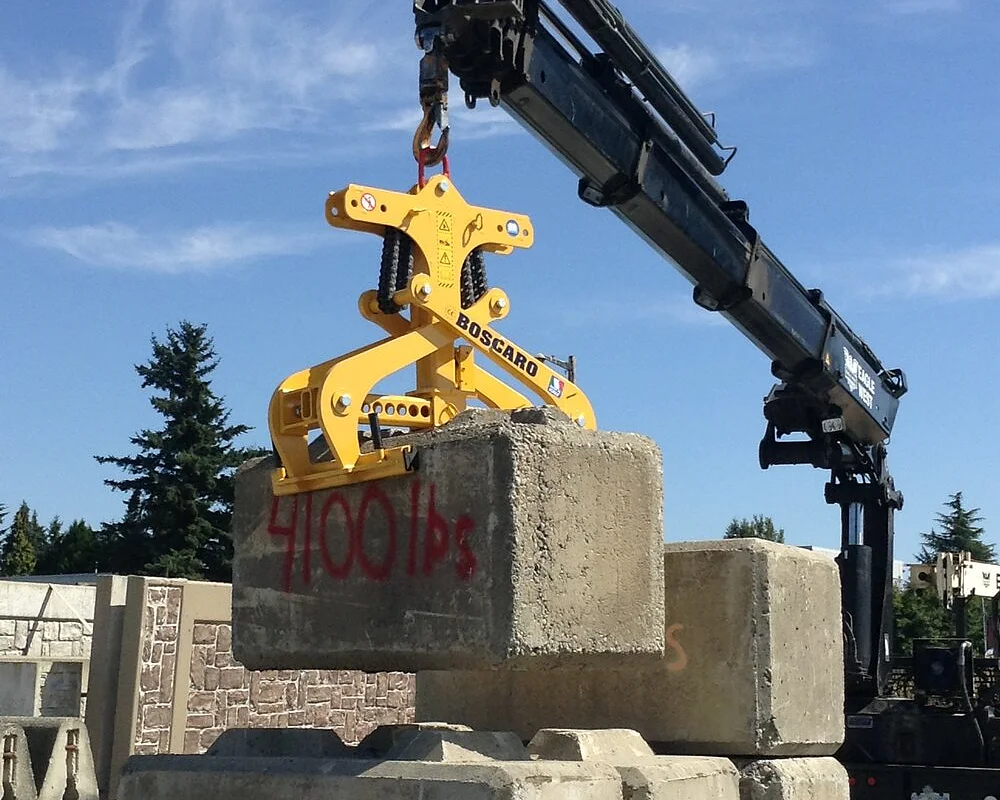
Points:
(177, 483)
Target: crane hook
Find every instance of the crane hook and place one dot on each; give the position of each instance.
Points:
(424, 152)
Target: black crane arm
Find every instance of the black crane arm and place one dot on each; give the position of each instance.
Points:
(641, 148)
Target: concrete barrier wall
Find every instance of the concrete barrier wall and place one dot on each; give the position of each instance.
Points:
(45, 642)
(169, 684)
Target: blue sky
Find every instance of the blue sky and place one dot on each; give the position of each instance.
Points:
(169, 160)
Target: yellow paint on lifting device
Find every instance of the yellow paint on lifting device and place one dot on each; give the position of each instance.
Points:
(336, 396)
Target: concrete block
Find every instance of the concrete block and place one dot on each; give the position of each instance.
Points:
(61, 759)
(16, 761)
(170, 777)
(614, 746)
(42, 601)
(644, 775)
(452, 744)
(794, 779)
(754, 664)
(520, 539)
(278, 743)
(18, 688)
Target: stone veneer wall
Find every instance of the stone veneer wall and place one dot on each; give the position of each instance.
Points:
(222, 694)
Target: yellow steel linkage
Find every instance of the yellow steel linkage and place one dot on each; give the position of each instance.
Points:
(336, 396)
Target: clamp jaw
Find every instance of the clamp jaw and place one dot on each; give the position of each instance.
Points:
(443, 234)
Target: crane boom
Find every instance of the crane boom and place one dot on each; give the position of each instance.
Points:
(640, 148)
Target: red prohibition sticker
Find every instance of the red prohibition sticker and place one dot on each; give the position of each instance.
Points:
(368, 201)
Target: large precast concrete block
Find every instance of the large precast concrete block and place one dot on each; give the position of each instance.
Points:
(794, 779)
(520, 539)
(753, 665)
(170, 777)
(644, 776)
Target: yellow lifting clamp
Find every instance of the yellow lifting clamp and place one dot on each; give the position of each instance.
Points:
(442, 233)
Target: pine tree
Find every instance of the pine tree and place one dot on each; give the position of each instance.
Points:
(919, 614)
(958, 532)
(17, 555)
(180, 482)
(73, 550)
(760, 527)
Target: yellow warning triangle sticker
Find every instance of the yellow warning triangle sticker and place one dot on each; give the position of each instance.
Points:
(444, 258)
(444, 226)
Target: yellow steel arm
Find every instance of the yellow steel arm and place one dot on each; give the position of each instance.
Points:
(336, 396)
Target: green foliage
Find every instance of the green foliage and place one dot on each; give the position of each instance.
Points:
(180, 482)
(18, 552)
(958, 532)
(760, 527)
(71, 551)
(919, 615)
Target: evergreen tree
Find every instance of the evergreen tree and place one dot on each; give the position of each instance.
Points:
(958, 532)
(180, 482)
(919, 615)
(71, 551)
(17, 554)
(760, 527)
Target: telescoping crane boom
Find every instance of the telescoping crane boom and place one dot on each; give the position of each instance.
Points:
(640, 147)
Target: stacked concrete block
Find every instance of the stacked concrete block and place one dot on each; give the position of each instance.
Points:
(520, 570)
(418, 764)
(643, 774)
(754, 664)
(794, 779)
(521, 539)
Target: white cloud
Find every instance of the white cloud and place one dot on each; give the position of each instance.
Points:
(190, 78)
(36, 114)
(689, 65)
(117, 246)
(694, 65)
(965, 274)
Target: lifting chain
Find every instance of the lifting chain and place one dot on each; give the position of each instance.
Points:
(396, 269)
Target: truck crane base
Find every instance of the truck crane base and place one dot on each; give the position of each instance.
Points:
(432, 263)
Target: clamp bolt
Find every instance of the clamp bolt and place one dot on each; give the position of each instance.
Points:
(343, 402)
(581, 421)
(424, 291)
(443, 187)
(499, 305)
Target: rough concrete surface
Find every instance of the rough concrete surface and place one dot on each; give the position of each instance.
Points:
(794, 779)
(61, 759)
(754, 664)
(17, 760)
(170, 777)
(520, 539)
(614, 746)
(278, 743)
(644, 775)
